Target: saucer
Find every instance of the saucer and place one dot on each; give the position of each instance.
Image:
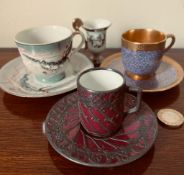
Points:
(168, 75)
(65, 134)
(15, 80)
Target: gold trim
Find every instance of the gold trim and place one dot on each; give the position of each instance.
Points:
(144, 39)
(142, 47)
(77, 23)
(138, 77)
(179, 70)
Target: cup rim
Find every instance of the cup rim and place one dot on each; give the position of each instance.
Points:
(100, 68)
(41, 27)
(109, 23)
(138, 43)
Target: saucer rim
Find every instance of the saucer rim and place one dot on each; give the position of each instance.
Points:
(166, 59)
(45, 132)
(41, 95)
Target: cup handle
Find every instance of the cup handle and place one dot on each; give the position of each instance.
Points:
(172, 41)
(138, 100)
(81, 43)
(77, 23)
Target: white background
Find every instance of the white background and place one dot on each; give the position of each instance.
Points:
(164, 15)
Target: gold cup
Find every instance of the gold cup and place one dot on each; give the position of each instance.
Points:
(142, 50)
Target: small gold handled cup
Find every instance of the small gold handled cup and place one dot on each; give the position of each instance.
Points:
(142, 50)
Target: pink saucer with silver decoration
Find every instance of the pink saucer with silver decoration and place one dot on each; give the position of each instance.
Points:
(65, 134)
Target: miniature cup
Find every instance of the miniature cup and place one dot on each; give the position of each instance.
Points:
(101, 101)
(95, 35)
(44, 51)
(142, 50)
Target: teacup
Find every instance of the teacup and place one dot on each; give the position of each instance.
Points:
(142, 50)
(44, 51)
(101, 101)
(96, 34)
(96, 30)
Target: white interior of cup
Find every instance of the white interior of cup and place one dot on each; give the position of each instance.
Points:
(96, 24)
(43, 35)
(101, 80)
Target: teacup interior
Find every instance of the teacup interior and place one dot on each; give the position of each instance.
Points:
(101, 80)
(96, 24)
(43, 35)
(144, 36)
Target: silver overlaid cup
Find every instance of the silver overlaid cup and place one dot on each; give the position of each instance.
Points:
(102, 103)
(44, 50)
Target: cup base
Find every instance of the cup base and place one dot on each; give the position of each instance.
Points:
(139, 77)
(96, 135)
(52, 79)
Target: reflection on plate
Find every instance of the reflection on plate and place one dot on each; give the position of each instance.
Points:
(168, 75)
(15, 80)
(65, 134)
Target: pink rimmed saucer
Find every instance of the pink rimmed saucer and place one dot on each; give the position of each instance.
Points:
(168, 75)
(65, 134)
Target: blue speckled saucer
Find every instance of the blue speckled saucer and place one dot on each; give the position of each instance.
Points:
(168, 75)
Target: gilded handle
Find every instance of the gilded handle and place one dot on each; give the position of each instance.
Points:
(172, 42)
(77, 23)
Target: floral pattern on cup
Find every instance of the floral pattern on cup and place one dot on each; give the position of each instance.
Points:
(96, 41)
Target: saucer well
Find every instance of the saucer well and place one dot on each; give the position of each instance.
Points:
(15, 80)
(65, 134)
(168, 75)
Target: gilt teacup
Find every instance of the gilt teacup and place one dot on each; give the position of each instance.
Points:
(142, 50)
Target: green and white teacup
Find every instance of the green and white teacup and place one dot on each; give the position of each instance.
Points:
(45, 49)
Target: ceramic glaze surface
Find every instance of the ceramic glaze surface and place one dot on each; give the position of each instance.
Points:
(142, 50)
(96, 24)
(16, 80)
(141, 62)
(98, 80)
(46, 62)
(168, 75)
(96, 34)
(135, 137)
(43, 35)
(44, 51)
(96, 41)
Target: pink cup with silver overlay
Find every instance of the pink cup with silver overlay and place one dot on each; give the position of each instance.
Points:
(101, 94)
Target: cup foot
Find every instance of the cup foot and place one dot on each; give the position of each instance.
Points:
(139, 77)
(50, 79)
(97, 59)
